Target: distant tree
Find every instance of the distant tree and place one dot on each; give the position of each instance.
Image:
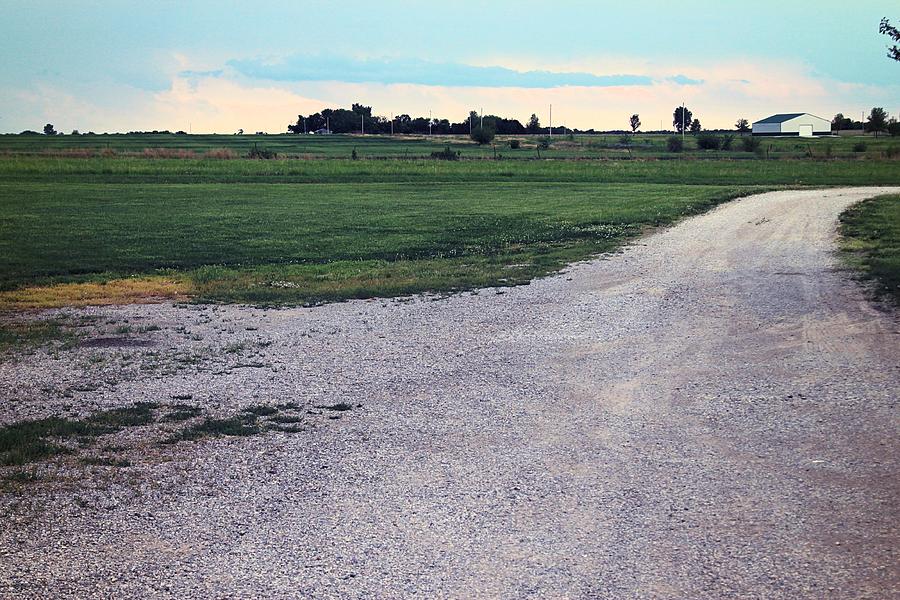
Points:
(635, 122)
(893, 33)
(877, 121)
(742, 125)
(49, 130)
(695, 126)
(840, 122)
(681, 118)
(76, 132)
(483, 135)
(893, 127)
(361, 110)
(534, 124)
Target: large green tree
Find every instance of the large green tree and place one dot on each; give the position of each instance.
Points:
(682, 118)
(534, 124)
(877, 121)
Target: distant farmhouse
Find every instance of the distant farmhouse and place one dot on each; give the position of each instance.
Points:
(793, 124)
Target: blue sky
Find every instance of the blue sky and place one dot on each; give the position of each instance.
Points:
(216, 66)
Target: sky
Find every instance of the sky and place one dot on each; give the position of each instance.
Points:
(219, 66)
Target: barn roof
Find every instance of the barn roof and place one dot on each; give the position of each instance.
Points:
(781, 118)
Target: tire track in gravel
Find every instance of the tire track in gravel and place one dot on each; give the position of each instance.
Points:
(709, 414)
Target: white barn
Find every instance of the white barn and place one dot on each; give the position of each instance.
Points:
(797, 124)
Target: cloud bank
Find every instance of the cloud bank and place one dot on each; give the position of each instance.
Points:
(300, 67)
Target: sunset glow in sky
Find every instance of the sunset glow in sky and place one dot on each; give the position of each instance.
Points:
(217, 66)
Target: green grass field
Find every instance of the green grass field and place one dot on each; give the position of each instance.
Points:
(378, 146)
(307, 231)
(871, 242)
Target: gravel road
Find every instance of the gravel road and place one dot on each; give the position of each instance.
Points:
(711, 413)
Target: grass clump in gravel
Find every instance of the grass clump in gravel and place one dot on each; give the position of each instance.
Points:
(181, 412)
(33, 440)
(240, 425)
(871, 243)
(261, 410)
(339, 407)
(32, 334)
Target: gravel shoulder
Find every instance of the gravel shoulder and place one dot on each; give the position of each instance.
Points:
(710, 413)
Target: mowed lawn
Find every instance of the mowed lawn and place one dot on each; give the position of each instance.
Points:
(100, 230)
(300, 243)
(871, 243)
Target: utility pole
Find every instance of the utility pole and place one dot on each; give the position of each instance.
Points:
(429, 122)
(682, 122)
(551, 120)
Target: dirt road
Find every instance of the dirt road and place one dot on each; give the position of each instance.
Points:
(711, 413)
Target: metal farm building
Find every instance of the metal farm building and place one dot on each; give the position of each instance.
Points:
(793, 124)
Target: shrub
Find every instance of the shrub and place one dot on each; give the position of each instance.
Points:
(859, 147)
(544, 144)
(674, 144)
(892, 151)
(445, 154)
(483, 135)
(727, 141)
(514, 144)
(354, 155)
(262, 154)
(751, 144)
(708, 141)
(894, 128)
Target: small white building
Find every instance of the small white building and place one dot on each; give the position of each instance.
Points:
(793, 124)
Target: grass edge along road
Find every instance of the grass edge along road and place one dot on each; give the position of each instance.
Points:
(79, 244)
(870, 243)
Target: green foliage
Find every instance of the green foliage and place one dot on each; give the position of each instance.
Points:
(742, 125)
(544, 143)
(871, 242)
(885, 28)
(29, 441)
(682, 118)
(860, 147)
(262, 153)
(483, 135)
(727, 142)
(241, 426)
(674, 144)
(708, 141)
(634, 122)
(446, 154)
(33, 333)
(514, 144)
(877, 121)
(751, 144)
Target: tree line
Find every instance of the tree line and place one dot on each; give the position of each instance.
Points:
(359, 118)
